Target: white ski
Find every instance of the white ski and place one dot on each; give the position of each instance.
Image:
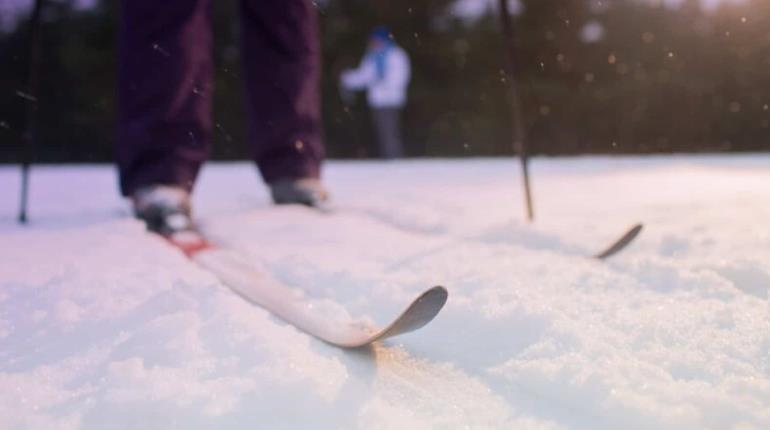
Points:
(288, 304)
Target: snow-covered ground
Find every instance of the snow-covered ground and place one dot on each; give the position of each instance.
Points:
(103, 326)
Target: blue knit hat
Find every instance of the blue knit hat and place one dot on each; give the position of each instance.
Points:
(380, 33)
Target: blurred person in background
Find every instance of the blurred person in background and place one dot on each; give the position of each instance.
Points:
(165, 95)
(384, 73)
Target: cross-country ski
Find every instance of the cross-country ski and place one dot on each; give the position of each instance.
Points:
(262, 289)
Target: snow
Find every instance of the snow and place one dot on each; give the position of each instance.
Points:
(104, 326)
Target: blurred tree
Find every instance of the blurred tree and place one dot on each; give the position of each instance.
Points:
(78, 65)
(597, 77)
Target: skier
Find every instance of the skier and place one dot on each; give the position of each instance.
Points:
(384, 72)
(165, 94)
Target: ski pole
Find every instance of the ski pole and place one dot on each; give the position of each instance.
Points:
(519, 133)
(31, 99)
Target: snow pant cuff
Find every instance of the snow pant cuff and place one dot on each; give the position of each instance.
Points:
(289, 167)
(161, 172)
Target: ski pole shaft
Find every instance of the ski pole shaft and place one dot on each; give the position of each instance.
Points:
(30, 131)
(519, 133)
(24, 192)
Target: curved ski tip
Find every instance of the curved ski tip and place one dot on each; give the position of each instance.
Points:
(430, 302)
(437, 293)
(422, 310)
(437, 297)
(621, 243)
(635, 231)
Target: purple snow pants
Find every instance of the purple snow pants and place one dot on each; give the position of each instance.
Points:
(165, 89)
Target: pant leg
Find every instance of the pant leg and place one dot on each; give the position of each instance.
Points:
(281, 58)
(164, 92)
(387, 122)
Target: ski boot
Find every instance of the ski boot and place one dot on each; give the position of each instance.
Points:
(305, 191)
(165, 209)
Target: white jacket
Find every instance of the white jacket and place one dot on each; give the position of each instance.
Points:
(390, 91)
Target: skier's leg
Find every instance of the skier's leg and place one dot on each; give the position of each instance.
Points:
(281, 57)
(164, 92)
(396, 143)
(378, 120)
(387, 123)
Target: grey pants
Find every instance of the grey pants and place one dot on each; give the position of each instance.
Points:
(387, 121)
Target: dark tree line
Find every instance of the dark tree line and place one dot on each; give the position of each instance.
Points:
(657, 80)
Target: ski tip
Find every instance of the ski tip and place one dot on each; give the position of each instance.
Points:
(621, 243)
(439, 292)
(437, 296)
(420, 312)
(634, 231)
(429, 303)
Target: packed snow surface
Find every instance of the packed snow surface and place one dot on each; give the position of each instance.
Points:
(104, 326)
